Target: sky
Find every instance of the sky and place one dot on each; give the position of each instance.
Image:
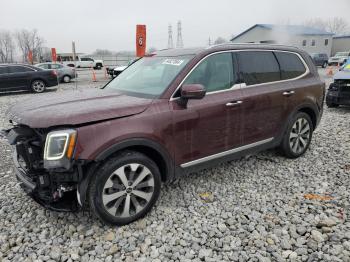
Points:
(111, 24)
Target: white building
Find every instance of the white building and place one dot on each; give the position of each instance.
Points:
(310, 39)
(341, 43)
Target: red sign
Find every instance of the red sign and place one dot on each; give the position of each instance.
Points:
(30, 56)
(140, 40)
(53, 55)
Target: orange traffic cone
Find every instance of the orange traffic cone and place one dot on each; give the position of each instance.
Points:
(93, 75)
(330, 71)
(106, 75)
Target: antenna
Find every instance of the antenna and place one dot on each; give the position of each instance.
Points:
(170, 37)
(179, 43)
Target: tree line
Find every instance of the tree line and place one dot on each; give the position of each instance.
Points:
(21, 43)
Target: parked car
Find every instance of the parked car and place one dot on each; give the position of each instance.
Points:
(65, 73)
(166, 115)
(26, 77)
(115, 71)
(80, 62)
(339, 58)
(339, 91)
(320, 59)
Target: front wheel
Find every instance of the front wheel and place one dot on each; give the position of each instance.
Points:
(324, 65)
(331, 105)
(298, 136)
(38, 86)
(125, 188)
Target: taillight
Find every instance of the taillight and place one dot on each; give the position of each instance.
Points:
(54, 72)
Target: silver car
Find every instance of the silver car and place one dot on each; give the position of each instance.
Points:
(65, 73)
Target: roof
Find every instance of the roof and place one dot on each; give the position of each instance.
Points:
(341, 36)
(290, 29)
(179, 51)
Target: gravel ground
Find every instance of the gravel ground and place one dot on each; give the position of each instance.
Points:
(260, 208)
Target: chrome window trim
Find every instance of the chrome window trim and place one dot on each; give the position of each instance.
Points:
(243, 85)
(225, 153)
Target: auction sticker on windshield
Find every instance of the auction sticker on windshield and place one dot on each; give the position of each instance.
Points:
(175, 62)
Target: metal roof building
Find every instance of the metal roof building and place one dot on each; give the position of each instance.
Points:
(312, 40)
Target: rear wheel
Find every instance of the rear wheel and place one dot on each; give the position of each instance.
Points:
(298, 136)
(38, 86)
(125, 188)
(66, 79)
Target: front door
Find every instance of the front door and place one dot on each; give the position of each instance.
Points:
(212, 125)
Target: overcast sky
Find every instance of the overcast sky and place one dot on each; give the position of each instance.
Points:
(111, 24)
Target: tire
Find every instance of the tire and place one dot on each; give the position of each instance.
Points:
(66, 79)
(98, 66)
(111, 189)
(324, 65)
(38, 86)
(298, 136)
(331, 105)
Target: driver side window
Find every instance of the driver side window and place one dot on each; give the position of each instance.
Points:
(215, 73)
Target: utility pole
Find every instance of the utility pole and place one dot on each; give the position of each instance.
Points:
(179, 42)
(170, 37)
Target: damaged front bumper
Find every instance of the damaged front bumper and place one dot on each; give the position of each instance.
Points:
(54, 191)
(339, 93)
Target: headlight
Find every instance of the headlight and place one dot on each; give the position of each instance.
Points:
(60, 144)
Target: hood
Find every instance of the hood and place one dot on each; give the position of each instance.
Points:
(76, 107)
(120, 68)
(342, 75)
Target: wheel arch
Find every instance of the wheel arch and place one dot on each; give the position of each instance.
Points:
(147, 147)
(37, 78)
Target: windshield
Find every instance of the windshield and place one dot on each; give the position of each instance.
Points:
(149, 76)
(341, 54)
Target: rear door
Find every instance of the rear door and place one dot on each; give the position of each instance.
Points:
(3, 77)
(263, 102)
(19, 76)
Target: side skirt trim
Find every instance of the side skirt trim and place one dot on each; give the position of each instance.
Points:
(225, 153)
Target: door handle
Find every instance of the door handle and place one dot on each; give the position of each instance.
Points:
(288, 93)
(235, 103)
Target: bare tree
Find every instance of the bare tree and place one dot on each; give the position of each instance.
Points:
(220, 40)
(102, 52)
(336, 25)
(30, 41)
(7, 47)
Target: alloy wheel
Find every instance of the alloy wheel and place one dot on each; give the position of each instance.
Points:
(300, 135)
(128, 190)
(38, 86)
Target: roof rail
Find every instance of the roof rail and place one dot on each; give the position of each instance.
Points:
(257, 44)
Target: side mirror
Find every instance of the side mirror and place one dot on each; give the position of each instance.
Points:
(192, 91)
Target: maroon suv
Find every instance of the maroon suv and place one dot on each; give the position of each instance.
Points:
(168, 114)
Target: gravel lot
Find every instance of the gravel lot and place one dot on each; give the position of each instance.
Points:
(260, 208)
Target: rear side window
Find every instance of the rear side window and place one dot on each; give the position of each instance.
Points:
(19, 69)
(257, 67)
(291, 65)
(3, 70)
(44, 66)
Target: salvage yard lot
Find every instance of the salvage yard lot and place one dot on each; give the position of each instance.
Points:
(259, 208)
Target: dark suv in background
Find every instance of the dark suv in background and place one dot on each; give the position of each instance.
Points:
(26, 77)
(320, 59)
(168, 114)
